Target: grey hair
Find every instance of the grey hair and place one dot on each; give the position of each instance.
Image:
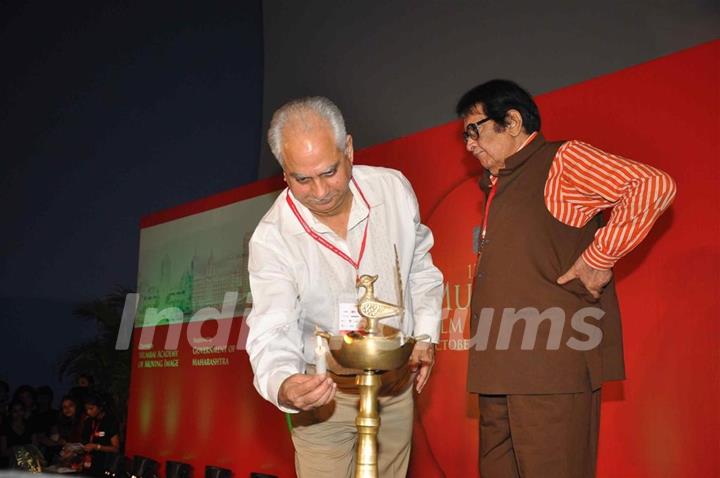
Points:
(303, 110)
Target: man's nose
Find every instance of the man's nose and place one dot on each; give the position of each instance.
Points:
(469, 144)
(319, 188)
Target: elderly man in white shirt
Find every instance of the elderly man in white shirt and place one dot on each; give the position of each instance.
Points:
(333, 223)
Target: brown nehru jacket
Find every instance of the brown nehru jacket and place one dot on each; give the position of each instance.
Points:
(525, 251)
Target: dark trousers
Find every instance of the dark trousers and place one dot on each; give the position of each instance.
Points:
(539, 436)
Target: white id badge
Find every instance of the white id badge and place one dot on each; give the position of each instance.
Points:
(348, 315)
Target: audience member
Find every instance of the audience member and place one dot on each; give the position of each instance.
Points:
(100, 434)
(45, 415)
(66, 434)
(16, 431)
(70, 422)
(26, 395)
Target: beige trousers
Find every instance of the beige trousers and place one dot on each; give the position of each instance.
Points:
(539, 436)
(325, 438)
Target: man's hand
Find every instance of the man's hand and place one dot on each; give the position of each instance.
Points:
(422, 361)
(594, 280)
(306, 392)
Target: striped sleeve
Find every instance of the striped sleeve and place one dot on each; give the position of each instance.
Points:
(584, 180)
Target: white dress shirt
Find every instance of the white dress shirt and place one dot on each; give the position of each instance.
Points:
(297, 284)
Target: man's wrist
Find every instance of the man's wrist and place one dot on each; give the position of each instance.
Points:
(274, 385)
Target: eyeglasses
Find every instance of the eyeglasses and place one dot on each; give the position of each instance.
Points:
(472, 131)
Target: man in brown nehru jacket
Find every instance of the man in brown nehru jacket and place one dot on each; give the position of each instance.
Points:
(545, 318)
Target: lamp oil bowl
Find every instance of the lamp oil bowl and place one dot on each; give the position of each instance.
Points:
(380, 353)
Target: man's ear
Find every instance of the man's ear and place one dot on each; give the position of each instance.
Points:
(349, 148)
(514, 122)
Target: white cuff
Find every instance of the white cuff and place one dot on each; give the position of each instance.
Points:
(273, 387)
(429, 325)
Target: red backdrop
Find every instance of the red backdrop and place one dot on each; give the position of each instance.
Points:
(662, 421)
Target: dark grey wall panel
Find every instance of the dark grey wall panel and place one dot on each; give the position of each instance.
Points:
(109, 111)
(398, 67)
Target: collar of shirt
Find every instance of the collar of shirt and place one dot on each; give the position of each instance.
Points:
(358, 211)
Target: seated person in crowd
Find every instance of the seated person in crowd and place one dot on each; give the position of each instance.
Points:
(100, 435)
(15, 431)
(70, 423)
(66, 430)
(43, 420)
(45, 415)
(26, 395)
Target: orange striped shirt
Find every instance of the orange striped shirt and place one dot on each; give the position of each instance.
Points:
(584, 180)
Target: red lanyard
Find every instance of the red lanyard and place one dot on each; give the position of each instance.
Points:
(493, 190)
(486, 215)
(324, 242)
